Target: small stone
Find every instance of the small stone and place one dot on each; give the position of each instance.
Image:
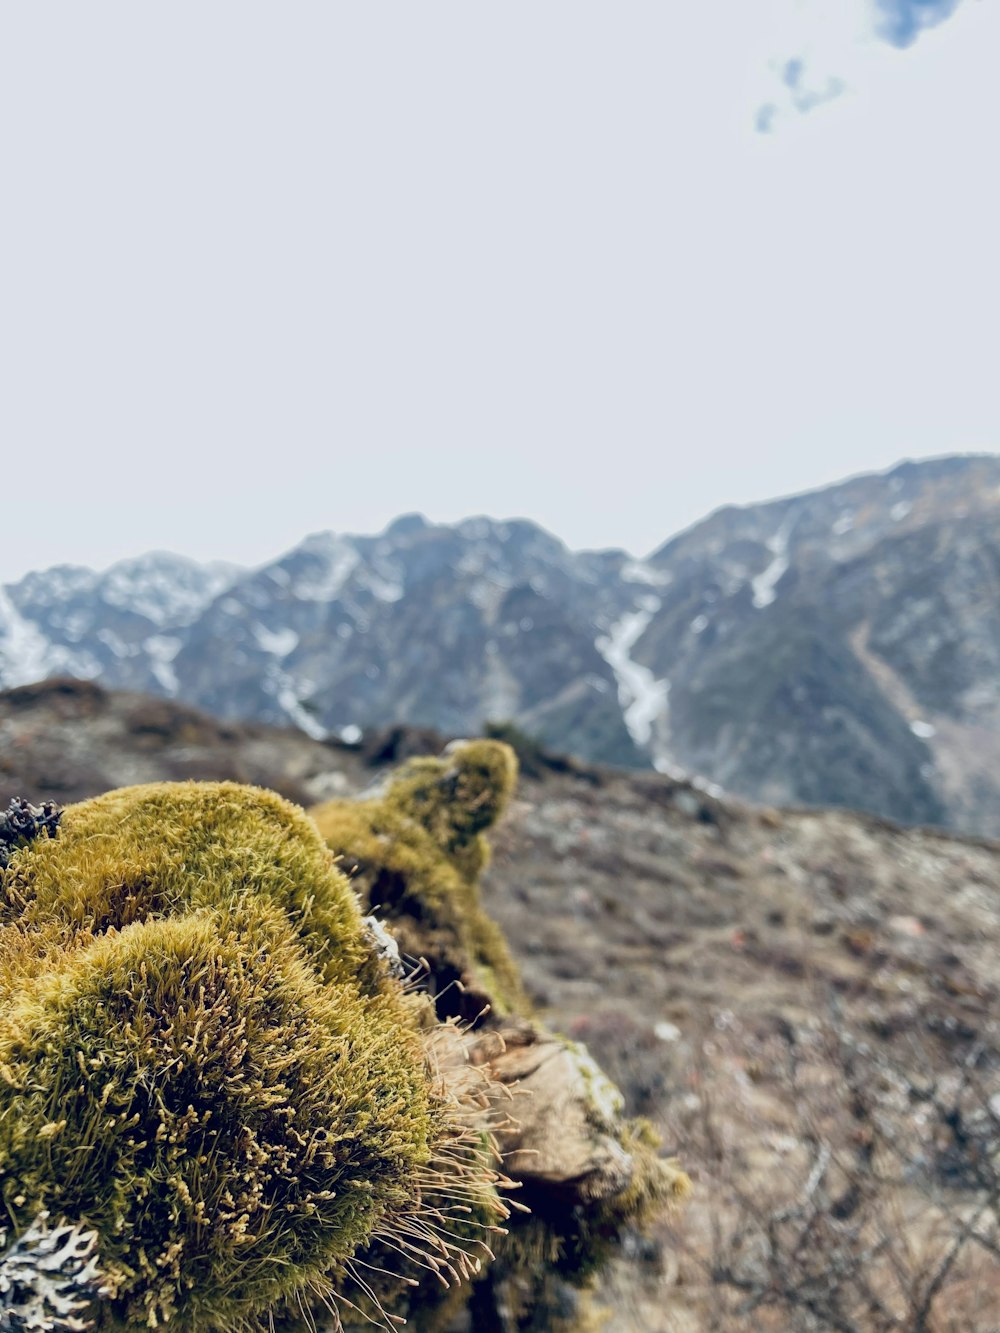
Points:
(906, 925)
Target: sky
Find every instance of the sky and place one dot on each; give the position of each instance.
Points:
(272, 269)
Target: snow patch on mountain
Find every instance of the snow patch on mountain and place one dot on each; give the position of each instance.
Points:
(161, 650)
(279, 642)
(26, 655)
(665, 765)
(116, 644)
(56, 586)
(331, 561)
(639, 571)
(25, 652)
(167, 589)
(643, 698)
(303, 719)
(477, 529)
(288, 693)
(765, 585)
(382, 587)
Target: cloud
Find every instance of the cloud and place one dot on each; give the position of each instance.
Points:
(830, 46)
(807, 99)
(900, 22)
(792, 72)
(800, 92)
(764, 119)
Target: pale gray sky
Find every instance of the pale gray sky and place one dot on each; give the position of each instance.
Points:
(271, 268)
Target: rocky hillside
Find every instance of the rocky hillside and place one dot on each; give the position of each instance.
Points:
(695, 944)
(840, 647)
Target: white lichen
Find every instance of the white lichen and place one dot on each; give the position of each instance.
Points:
(48, 1279)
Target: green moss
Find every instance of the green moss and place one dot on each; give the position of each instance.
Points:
(167, 848)
(202, 1058)
(414, 853)
(461, 793)
(230, 1125)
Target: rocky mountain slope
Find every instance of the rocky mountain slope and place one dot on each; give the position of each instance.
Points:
(694, 943)
(840, 647)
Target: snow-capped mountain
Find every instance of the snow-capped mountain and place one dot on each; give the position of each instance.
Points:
(840, 647)
(119, 625)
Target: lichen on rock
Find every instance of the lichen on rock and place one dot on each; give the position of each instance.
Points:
(49, 1279)
(22, 821)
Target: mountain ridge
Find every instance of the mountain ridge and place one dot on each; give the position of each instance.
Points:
(837, 647)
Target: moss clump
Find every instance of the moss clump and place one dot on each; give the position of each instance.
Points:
(458, 797)
(414, 852)
(202, 1059)
(169, 848)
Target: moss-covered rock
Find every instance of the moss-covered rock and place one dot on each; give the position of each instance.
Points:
(207, 1059)
(202, 1058)
(414, 851)
(588, 1172)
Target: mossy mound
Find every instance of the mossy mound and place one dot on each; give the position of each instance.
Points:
(165, 849)
(457, 797)
(414, 852)
(205, 1057)
(202, 1058)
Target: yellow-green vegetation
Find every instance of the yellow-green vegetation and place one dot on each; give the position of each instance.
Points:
(415, 851)
(206, 1059)
(170, 848)
(202, 1058)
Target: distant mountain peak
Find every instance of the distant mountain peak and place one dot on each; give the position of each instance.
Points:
(407, 525)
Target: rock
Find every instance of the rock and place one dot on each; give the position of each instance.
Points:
(561, 1113)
